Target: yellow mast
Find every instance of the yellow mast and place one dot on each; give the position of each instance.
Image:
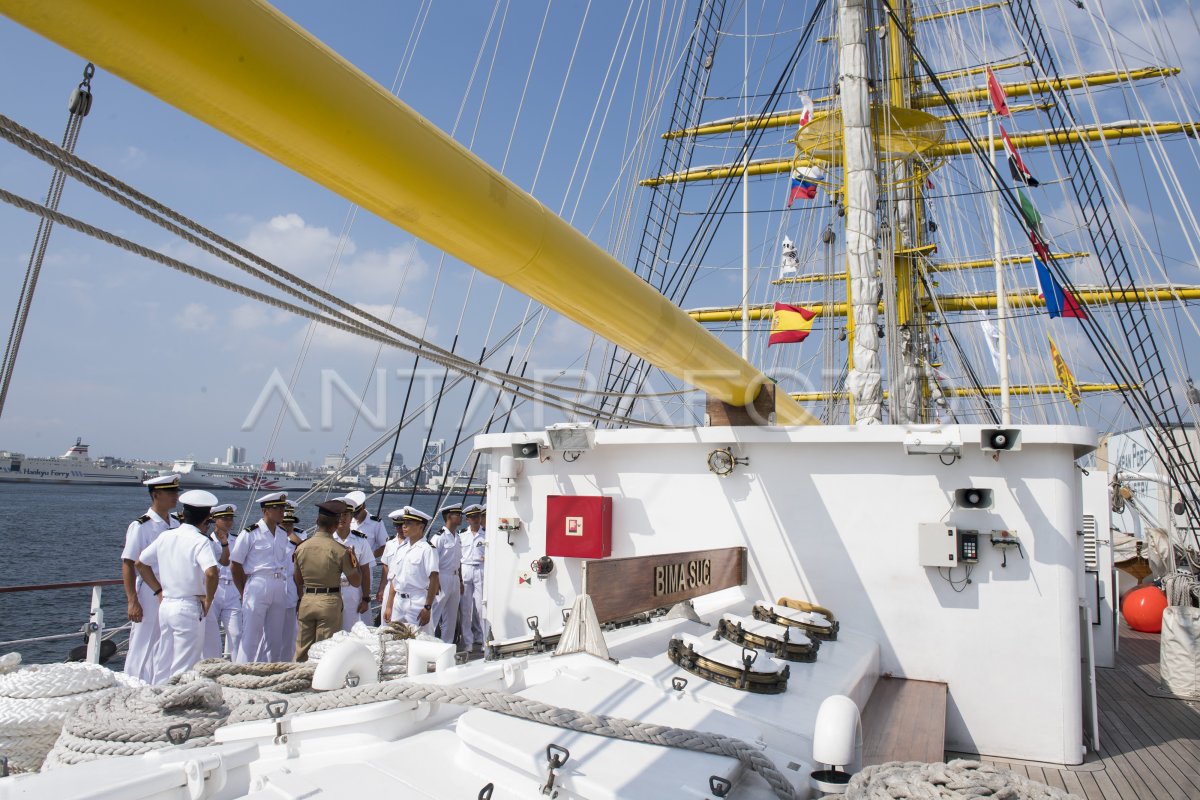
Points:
(247, 70)
(787, 119)
(988, 391)
(954, 147)
(949, 266)
(1028, 298)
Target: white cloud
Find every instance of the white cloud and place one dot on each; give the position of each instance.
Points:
(195, 317)
(309, 251)
(133, 157)
(251, 316)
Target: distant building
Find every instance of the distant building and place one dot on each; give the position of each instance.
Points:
(235, 455)
(335, 461)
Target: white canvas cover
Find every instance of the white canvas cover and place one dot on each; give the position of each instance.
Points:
(1179, 656)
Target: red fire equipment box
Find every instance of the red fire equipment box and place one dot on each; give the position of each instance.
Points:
(578, 527)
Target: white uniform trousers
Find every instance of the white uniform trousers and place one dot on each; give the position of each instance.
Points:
(264, 617)
(471, 605)
(407, 609)
(387, 592)
(180, 637)
(291, 624)
(351, 595)
(143, 637)
(445, 609)
(226, 612)
(368, 616)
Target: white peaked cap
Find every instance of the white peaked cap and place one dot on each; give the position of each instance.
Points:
(198, 498)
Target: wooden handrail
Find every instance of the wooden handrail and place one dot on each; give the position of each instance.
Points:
(40, 587)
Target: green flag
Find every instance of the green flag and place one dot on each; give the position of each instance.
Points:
(1032, 218)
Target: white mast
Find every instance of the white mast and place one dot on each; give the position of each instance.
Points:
(861, 199)
(1001, 300)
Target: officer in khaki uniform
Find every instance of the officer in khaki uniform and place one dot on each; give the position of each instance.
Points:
(320, 563)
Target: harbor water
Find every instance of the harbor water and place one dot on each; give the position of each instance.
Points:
(62, 533)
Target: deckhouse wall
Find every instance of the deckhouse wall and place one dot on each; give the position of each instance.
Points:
(831, 515)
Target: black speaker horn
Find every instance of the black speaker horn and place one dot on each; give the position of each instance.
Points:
(999, 439)
(973, 498)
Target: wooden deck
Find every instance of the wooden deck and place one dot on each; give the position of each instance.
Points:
(1149, 740)
(904, 721)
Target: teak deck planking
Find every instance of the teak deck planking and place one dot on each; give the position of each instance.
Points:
(1149, 740)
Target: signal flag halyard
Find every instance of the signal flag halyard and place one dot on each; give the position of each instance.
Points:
(790, 324)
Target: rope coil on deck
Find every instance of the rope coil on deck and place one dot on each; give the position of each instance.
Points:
(35, 702)
(960, 779)
(137, 721)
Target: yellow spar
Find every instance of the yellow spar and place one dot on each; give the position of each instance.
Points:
(954, 147)
(250, 72)
(975, 302)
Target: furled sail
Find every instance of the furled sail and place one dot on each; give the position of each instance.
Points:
(862, 195)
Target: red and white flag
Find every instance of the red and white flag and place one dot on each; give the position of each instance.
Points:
(996, 92)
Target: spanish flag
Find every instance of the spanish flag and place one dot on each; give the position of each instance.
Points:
(790, 324)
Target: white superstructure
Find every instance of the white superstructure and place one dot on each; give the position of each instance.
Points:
(73, 466)
(195, 474)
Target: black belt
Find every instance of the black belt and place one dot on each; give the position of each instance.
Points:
(321, 589)
(406, 596)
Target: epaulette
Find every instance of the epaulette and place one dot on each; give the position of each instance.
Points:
(375, 517)
(144, 518)
(359, 534)
(250, 527)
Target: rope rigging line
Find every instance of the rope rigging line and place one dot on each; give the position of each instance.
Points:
(531, 390)
(676, 284)
(341, 311)
(1153, 402)
(79, 106)
(1113, 364)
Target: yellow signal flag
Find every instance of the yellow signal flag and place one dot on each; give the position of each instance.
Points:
(1065, 379)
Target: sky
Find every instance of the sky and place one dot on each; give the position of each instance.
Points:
(146, 363)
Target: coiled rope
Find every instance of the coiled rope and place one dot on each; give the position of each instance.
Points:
(958, 780)
(1181, 589)
(35, 701)
(137, 721)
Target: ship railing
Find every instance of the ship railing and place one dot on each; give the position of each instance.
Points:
(94, 628)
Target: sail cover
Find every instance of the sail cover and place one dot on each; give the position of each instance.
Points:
(861, 228)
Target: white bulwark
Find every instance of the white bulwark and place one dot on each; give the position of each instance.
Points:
(831, 515)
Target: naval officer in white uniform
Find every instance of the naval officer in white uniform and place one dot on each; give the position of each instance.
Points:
(355, 599)
(226, 611)
(445, 542)
(473, 546)
(260, 571)
(413, 573)
(371, 527)
(291, 621)
(181, 570)
(142, 604)
(387, 561)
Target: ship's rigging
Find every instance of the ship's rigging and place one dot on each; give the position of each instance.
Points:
(915, 321)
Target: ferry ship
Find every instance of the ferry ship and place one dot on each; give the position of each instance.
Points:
(73, 466)
(196, 475)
